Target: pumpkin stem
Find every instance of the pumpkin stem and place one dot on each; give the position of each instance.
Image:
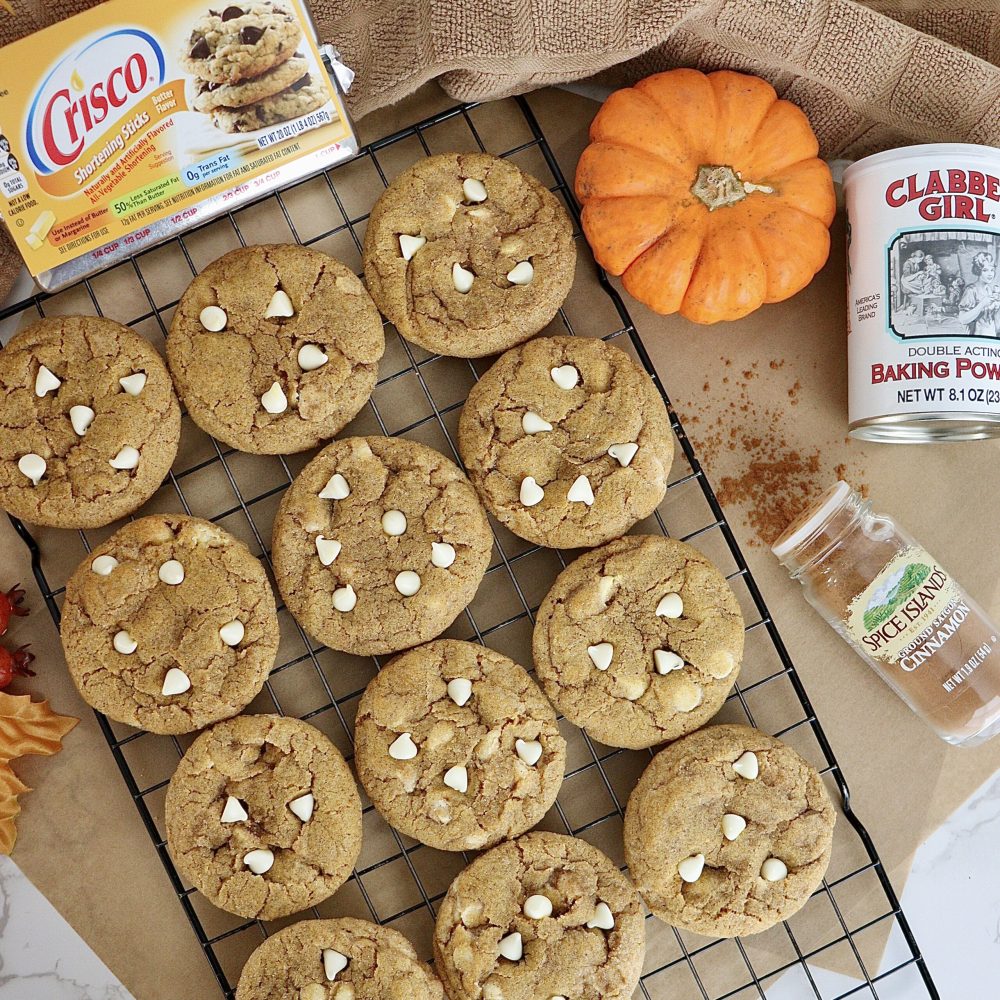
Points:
(718, 186)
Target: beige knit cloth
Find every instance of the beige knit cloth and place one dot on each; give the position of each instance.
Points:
(869, 75)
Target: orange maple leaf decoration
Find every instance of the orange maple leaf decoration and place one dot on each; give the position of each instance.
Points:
(26, 726)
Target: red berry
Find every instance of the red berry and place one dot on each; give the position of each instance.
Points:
(14, 664)
(10, 604)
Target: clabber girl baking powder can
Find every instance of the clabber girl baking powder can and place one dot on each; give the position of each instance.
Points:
(924, 293)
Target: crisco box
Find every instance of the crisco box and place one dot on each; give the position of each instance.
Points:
(103, 148)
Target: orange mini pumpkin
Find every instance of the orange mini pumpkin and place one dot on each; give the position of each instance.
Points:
(705, 193)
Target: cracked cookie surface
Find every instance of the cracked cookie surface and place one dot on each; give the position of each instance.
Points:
(61, 376)
(266, 763)
(676, 812)
(445, 542)
(118, 588)
(561, 955)
(501, 706)
(599, 630)
(382, 965)
(510, 219)
(239, 42)
(520, 422)
(222, 375)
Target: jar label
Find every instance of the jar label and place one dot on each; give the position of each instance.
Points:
(908, 612)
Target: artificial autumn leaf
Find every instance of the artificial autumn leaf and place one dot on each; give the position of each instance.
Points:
(25, 727)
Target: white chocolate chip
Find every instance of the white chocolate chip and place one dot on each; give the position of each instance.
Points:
(312, 992)
(461, 278)
(512, 947)
(537, 907)
(623, 453)
(631, 687)
(565, 376)
(530, 751)
(104, 565)
(670, 606)
(232, 632)
(532, 423)
(409, 245)
(33, 466)
(457, 777)
(773, 870)
(176, 682)
(403, 747)
(336, 488)
(733, 825)
(274, 400)
(394, 522)
(45, 382)
(581, 491)
(747, 766)
(280, 305)
(333, 963)
(303, 806)
(666, 661)
(259, 861)
(603, 918)
(687, 699)
(690, 869)
(344, 599)
(171, 572)
(720, 664)
(80, 418)
(407, 582)
(442, 554)
(133, 384)
(439, 809)
(213, 318)
(460, 690)
(601, 655)
(327, 549)
(531, 492)
(474, 190)
(124, 643)
(127, 458)
(234, 811)
(521, 274)
(311, 357)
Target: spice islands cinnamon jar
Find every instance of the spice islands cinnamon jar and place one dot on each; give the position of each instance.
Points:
(900, 610)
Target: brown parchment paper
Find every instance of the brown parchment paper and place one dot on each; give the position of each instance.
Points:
(81, 840)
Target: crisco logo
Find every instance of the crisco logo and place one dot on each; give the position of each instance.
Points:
(87, 91)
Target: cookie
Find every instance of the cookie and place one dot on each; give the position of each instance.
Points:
(240, 42)
(89, 423)
(457, 747)
(275, 348)
(169, 625)
(343, 959)
(263, 816)
(540, 917)
(207, 96)
(379, 544)
(639, 642)
(567, 442)
(467, 255)
(300, 98)
(728, 832)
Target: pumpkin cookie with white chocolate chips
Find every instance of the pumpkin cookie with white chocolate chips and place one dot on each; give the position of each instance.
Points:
(379, 544)
(567, 441)
(89, 423)
(275, 348)
(169, 625)
(343, 959)
(263, 816)
(488, 760)
(639, 642)
(541, 916)
(728, 832)
(467, 255)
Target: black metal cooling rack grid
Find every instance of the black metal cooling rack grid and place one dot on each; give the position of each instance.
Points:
(399, 881)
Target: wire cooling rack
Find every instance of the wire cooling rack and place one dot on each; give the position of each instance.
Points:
(398, 882)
